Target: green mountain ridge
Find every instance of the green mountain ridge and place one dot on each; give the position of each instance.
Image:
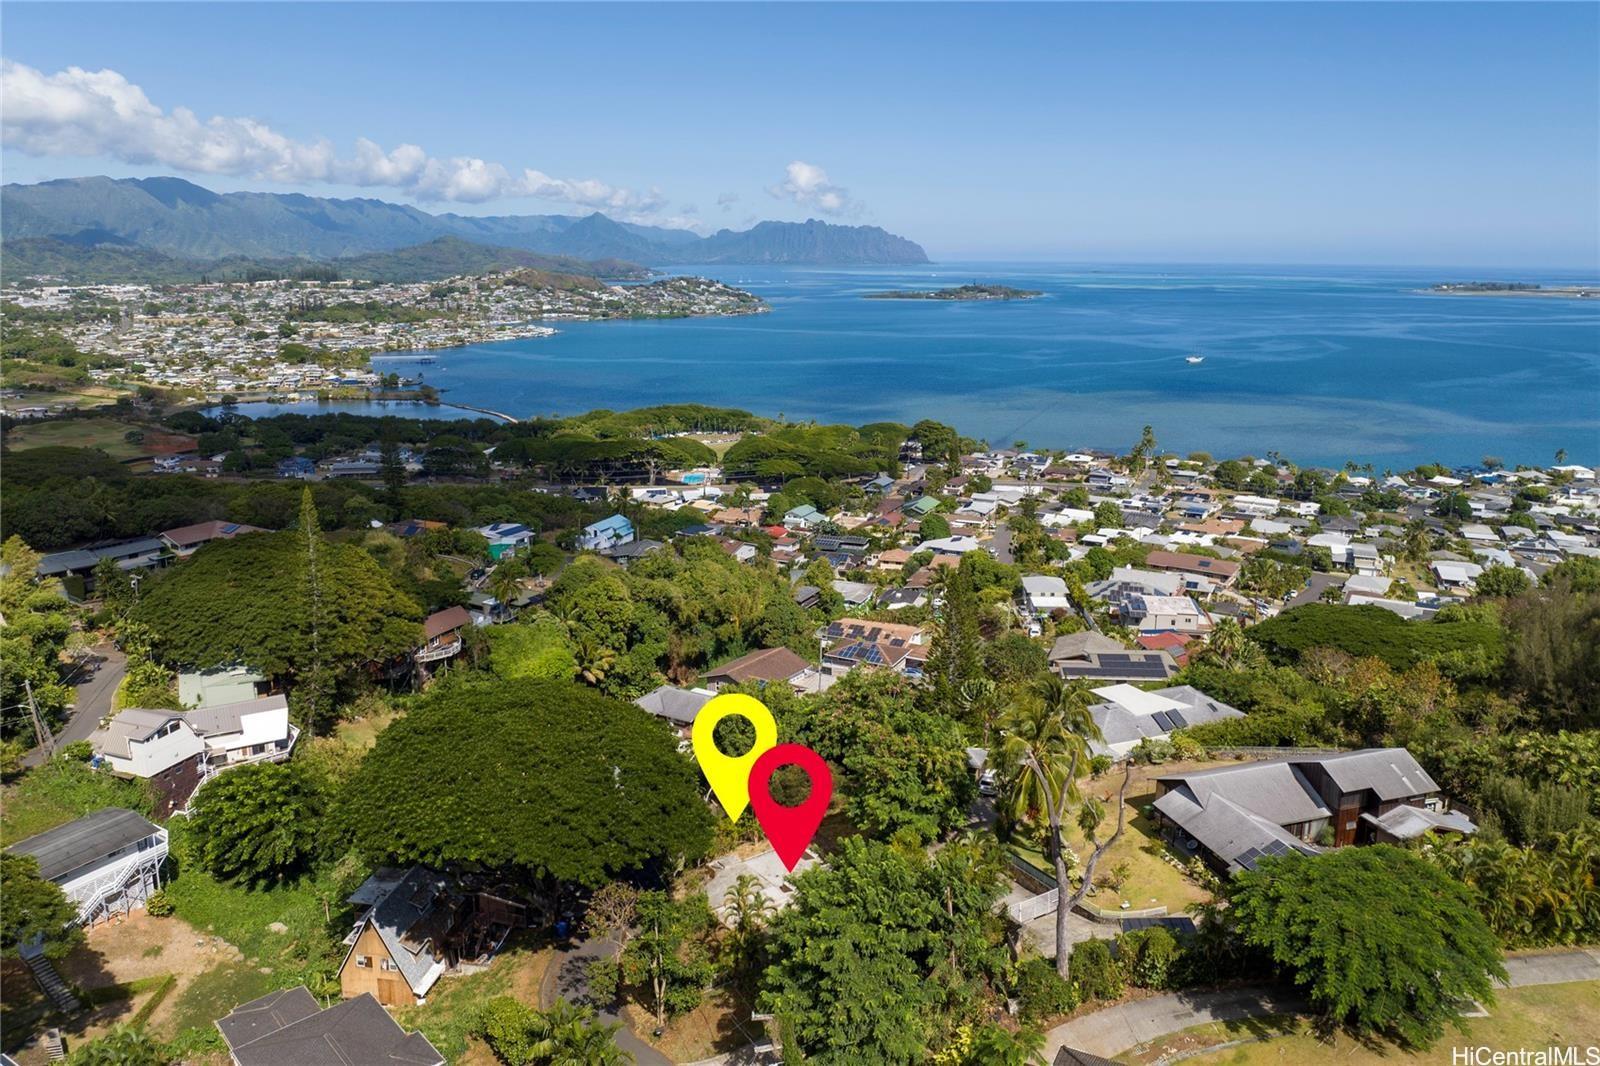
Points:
(180, 219)
(90, 260)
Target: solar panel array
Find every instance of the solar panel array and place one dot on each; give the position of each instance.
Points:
(870, 634)
(1121, 664)
(1249, 859)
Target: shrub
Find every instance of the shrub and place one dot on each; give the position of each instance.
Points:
(1094, 971)
(1099, 765)
(1041, 993)
(77, 751)
(159, 905)
(1148, 956)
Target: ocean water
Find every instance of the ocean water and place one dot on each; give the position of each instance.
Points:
(1319, 364)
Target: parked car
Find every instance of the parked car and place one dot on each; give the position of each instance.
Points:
(988, 783)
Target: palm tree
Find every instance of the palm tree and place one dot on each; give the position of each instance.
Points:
(1416, 542)
(595, 659)
(748, 910)
(995, 1046)
(1046, 740)
(1228, 646)
(566, 1035)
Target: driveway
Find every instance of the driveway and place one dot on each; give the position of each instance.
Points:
(1554, 967)
(1116, 1029)
(1113, 1030)
(568, 979)
(91, 700)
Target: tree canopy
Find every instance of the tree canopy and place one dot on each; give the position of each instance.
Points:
(267, 601)
(884, 950)
(1382, 941)
(545, 776)
(32, 907)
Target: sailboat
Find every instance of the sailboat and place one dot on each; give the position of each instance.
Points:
(1193, 359)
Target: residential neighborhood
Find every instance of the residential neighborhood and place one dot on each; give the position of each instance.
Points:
(400, 711)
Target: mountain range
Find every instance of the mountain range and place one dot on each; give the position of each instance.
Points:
(180, 219)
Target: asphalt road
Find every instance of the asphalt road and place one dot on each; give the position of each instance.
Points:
(92, 699)
(1116, 1029)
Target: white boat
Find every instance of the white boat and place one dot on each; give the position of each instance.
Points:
(1192, 359)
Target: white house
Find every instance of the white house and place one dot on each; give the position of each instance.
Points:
(107, 863)
(605, 534)
(180, 750)
(1044, 593)
(1129, 715)
(1152, 614)
(505, 537)
(1262, 506)
(1454, 575)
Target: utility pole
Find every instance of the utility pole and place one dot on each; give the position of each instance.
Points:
(46, 741)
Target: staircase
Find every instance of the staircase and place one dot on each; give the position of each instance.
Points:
(54, 1048)
(51, 982)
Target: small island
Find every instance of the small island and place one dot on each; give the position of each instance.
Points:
(1514, 288)
(959, 292)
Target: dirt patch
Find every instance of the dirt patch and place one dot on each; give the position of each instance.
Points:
(141, 946)
(135, 948)
(719, 1025)
(158, 443)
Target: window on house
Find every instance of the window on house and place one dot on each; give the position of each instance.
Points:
(385, 964)
(363, 960)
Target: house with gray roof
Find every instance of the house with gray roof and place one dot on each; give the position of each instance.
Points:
(1092, 656)
(287, 1028)
(414, 926)
(106, 863)
(1129, 715)
(1233, 816)
(675, 706)
(178, 751)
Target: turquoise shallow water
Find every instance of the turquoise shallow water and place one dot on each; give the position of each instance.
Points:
(1320, 364)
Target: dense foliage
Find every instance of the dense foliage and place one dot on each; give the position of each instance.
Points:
(1382, 941)
(1373, 631)
(31, 907)
(884, 950)
(900, 768)
(257, 823)
(547, 777)
(289, 604)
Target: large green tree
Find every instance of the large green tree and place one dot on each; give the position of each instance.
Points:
(899, 767)
(1382, 941)
(32, 907)
(545, 777)
(884, 951)
(257, 823)
(293, 605)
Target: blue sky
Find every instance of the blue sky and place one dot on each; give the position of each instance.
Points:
(1337, 133)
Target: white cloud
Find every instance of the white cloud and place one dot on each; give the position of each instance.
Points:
(78, 112)
(808, 186)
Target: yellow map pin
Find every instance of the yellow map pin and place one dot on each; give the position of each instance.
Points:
(730, 774)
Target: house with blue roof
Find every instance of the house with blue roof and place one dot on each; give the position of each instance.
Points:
(504, 537)
(606, 534)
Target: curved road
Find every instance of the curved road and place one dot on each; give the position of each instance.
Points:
(91, 700)
(1116, 1029)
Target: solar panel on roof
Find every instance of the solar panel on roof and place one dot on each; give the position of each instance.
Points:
(230, 528)
(1163, 720)
(1178, 720)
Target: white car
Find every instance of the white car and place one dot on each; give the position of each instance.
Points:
(988, 783)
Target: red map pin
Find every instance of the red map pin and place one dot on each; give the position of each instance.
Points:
(790, 828)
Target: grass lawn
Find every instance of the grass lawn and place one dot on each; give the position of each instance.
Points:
(1536, 1017)
(452, 1007)
(1152, 881)
(103, 433)
(214, 993)
(362, 733)
(58, 792)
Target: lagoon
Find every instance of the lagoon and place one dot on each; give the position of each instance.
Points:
(1320, 364)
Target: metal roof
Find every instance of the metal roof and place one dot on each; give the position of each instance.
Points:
(77, 844)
